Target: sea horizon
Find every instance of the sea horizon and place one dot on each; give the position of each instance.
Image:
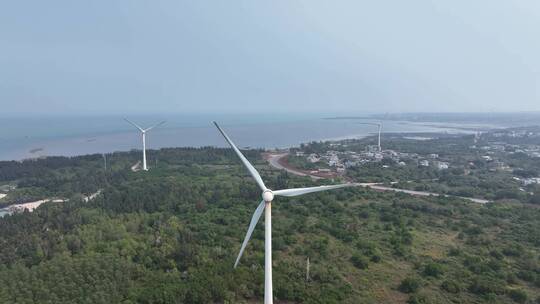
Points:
(35, 137)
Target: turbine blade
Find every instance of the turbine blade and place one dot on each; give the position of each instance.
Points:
(300, 191)
(134, 124)
(244, 160)
(254, 219)
(156, 125)
(368, 123)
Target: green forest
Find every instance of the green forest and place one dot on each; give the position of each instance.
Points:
(171, 235)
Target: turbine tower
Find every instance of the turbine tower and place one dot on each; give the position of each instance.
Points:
(143, 132)
(266, 206)
(379, 125)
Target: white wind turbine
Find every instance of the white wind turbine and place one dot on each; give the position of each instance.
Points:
(266, 205)
(143, 132)
(379, 125)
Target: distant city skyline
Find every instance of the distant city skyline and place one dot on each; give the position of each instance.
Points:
(349, 57)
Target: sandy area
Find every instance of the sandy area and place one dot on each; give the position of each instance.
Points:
(32, 205)
(86, 199)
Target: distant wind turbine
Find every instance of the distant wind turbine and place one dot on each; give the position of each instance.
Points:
(379, 125)
(266, 205)
(143, 132)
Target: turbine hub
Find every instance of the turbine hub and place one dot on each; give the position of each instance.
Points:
(268, 195)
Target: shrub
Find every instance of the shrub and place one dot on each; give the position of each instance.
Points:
(417, 299)
(511, 278)
(376, 258)
(433, 270)
(455, 251)
(485, 286)
(518, 295)
(513, 251)
(526, 275)
(451, 286)
(359, 261)
(535, 198)
(496, 254)
(409, 285)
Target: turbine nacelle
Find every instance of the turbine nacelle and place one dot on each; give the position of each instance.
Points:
(268, 195)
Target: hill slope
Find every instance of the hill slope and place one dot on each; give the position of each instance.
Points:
(171, 235)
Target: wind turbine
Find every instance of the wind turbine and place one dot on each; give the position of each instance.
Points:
(379, 125)
(266, 206)
(143, 132)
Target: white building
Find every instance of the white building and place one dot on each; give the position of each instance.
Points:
(313, 158)
(530, 181)
(441, 165)
(333, 160)
(350, 163)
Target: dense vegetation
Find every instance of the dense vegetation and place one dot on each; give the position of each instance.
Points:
(171, 235)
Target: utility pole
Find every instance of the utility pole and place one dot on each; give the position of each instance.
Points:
(105, 160)
(307, 270)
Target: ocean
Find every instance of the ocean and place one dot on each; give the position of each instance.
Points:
(30, 137)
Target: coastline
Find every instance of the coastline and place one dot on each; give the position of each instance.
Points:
(267, 135)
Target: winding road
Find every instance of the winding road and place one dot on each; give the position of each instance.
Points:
(274, 160)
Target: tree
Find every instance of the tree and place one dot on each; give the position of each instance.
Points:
(360, 261)
(409, 285)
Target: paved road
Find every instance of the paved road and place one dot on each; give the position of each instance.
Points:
(423, 193)
(273, 159)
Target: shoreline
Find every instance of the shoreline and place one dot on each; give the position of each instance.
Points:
(274, 135)
(288, 146)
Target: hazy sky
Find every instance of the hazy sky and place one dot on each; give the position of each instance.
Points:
(277, 56)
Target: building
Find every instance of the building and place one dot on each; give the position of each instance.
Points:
(530, 181)
(424, 163)
(441, 165)
(372, 148)
(313, 158)
(350, 163)
(333, 160)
